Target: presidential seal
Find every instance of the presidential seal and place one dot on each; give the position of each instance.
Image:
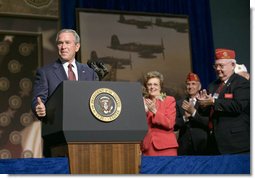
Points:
(105, 104)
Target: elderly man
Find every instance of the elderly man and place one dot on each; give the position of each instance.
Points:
(227, 104)
(192, 126)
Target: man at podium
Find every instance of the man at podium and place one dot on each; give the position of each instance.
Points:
(64, 68)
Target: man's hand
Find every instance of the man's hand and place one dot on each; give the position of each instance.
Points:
(202, 95)
(186, 114)
(204, 99)
(188, 107)
(40, 108)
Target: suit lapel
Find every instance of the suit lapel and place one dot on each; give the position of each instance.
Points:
(196, 105)
(187, 99)
(61, 74)
(81, 71)
(59, 71)
(225, 87)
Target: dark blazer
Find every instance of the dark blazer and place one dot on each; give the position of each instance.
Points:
(192, 138)
(49, 77)
(231, 117)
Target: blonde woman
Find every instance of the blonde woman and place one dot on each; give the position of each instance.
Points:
(160, 139)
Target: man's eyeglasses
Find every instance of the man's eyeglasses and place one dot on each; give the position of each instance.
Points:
(221, 66)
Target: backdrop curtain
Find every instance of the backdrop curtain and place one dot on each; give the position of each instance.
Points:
(201, 39)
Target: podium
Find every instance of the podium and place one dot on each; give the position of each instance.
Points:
(96, 141)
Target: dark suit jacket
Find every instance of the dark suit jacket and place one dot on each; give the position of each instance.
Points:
(231, 117)
(49, 77)
(192, 138)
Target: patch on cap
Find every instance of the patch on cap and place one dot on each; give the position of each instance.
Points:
(192, 77)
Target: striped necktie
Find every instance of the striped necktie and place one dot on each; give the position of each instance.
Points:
(210, 124)
(71, 75)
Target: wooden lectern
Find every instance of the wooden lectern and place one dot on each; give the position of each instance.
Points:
(97, 125)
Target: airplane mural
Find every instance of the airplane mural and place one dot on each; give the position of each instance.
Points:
(138, 23)
(178, 26)
(113, 64)
(118, 63)
(144, 50)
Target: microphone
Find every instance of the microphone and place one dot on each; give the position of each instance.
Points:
(99, 68)
(103, 67)
(92, 64)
